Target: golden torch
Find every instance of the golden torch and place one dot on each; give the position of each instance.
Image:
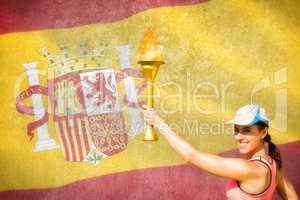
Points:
(151, 53)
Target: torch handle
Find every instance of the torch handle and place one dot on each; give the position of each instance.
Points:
(150, 93)
(149, 135)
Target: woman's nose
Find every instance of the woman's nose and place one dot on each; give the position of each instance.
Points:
(239, 135)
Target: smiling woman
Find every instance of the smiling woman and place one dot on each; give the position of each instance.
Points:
(245, 138)
(255, 176)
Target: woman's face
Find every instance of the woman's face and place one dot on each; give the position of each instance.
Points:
(249, 138)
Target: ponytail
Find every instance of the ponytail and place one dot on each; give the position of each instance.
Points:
(273, 150)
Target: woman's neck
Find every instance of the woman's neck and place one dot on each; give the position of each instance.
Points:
(259, 152)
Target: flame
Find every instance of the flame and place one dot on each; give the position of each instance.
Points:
(149, 48)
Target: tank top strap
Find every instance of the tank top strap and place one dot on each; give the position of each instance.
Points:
(263, 160)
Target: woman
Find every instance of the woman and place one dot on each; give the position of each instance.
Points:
(254, 177)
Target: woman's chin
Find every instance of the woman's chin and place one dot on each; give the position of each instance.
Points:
(243, 151)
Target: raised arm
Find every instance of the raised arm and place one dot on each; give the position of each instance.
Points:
(285, 188)
(238, 169)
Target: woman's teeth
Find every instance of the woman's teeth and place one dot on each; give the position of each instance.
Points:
(243, 144)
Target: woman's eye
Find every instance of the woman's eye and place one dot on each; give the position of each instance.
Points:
(243, 132)
(246, 131)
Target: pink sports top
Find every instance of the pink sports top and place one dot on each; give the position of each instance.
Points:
(234, 192)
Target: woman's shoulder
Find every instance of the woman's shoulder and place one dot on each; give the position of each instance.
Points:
(263, 166)
(263, 179)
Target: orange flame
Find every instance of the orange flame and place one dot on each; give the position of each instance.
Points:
(149, 48)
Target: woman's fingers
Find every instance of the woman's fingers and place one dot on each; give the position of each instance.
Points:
(149, 114)
(145, 107)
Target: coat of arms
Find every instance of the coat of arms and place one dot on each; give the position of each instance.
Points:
(85, 104)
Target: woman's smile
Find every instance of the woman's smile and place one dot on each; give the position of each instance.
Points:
(243, 144)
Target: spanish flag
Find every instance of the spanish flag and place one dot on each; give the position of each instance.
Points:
(71, 85)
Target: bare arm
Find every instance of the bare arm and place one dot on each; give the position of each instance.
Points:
(234, 168)
(285, 188)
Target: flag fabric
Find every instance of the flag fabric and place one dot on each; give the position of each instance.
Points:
(71, 89)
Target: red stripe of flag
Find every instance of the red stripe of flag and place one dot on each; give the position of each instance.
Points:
(17, 16)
